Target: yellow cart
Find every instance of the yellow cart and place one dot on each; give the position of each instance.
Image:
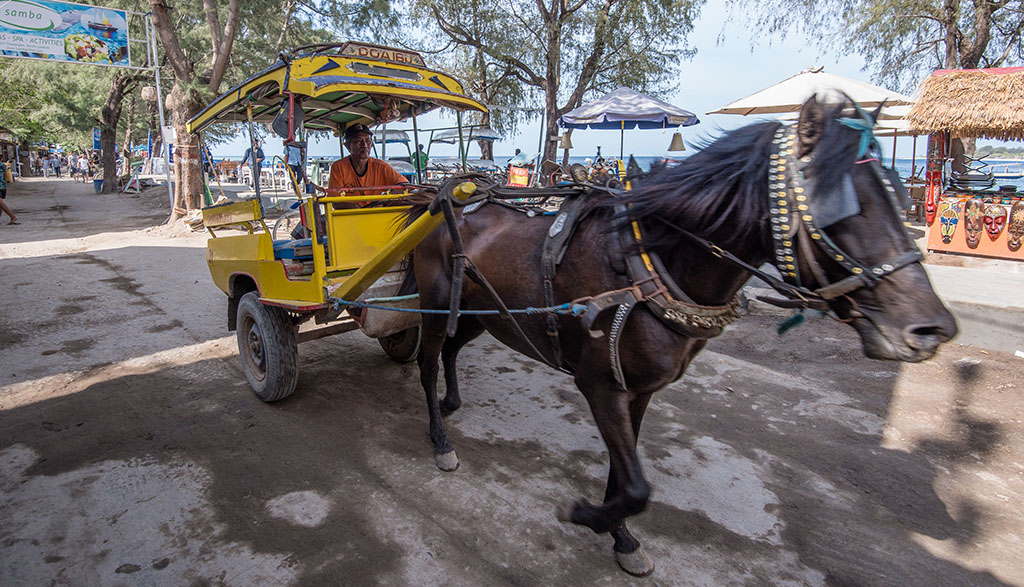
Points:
(279, 291)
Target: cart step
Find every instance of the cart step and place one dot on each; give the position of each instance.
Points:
(323, 331)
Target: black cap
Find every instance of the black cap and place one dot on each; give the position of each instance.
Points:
(356, 130)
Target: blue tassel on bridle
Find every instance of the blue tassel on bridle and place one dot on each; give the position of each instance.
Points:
(865, 126)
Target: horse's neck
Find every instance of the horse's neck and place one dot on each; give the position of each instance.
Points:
(709, 279)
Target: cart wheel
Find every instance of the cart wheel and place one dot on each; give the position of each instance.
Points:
(268, 348)
(284, 225)
(401, 346)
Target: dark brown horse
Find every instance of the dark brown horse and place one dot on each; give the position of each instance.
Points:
(730, 193)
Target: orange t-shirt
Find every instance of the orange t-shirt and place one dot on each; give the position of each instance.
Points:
(378, 173)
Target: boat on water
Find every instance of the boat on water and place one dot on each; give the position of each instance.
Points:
(1007, 171)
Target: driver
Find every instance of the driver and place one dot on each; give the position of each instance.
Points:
(359, 169)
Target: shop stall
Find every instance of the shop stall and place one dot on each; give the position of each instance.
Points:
(970, 208)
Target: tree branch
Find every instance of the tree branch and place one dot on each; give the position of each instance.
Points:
(289, 9)
(180, 63)
(213, 22)
(220, 65)
(462, 37)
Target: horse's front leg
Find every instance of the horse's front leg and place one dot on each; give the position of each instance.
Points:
(469, 328)
(611, 409)
(432, 340)
(628, 554)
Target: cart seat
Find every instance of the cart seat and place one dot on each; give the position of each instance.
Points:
(300, 249)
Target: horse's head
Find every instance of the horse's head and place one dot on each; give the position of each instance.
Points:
(848, 240)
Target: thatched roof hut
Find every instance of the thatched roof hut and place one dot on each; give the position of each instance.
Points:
(985, 103)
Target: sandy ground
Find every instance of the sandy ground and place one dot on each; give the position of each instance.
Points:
(133, 453)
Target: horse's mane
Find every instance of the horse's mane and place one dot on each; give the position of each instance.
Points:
(726, 182)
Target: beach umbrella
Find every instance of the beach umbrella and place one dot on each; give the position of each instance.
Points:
(625, 108)
(790, 94)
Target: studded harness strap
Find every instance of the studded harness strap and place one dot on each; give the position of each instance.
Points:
(792, 222)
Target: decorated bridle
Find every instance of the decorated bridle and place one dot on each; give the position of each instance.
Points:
(794, 226)
(792, 202)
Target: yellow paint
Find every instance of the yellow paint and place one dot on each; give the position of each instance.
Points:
(236, 213)
(302, 81)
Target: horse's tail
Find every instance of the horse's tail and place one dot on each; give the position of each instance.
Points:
(409, 285)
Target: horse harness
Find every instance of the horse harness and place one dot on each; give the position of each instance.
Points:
(793, 230)
(650, 282)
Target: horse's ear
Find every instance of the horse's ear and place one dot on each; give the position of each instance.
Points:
(810, 125)
(877, 112)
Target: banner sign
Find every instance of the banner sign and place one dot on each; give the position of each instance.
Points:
(95, 138)
(63, 31)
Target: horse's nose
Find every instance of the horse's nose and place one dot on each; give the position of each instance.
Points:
(928, 337)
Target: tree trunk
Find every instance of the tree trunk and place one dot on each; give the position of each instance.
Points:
(110, 115)
(24, 150)
(128, 124)
(486, 150)
(184, 104)
(551, 126)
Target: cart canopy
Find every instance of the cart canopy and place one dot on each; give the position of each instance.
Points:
(337, 86)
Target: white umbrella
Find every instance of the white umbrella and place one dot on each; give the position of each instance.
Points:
(790, 94)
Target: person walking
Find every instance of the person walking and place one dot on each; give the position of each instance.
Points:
(5, 172)
(83, 168)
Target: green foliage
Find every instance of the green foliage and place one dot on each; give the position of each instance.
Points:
(512, 55)
(902, 41)
(57, 102)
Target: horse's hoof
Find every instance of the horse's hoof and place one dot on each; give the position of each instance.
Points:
(448, 461)
(564, 511)
(636, 563)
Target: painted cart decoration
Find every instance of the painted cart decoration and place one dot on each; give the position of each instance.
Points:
(280, 289)
(973, 219)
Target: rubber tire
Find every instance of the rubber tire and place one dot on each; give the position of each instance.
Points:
(401, 347)
(268, 348)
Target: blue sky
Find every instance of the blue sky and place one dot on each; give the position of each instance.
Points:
(725, 68)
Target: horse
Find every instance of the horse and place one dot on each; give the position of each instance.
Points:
(733, 193)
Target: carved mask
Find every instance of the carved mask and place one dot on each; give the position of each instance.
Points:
(949, 213)
(930, 207)
(972, 222)
(995, 220)
(1015, 229)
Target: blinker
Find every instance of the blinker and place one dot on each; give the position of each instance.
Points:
(902, 195)
(831, 204)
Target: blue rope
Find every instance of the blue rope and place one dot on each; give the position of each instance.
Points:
(865, 126)
(567, 308)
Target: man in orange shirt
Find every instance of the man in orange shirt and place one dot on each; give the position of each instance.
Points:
(359, 169)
